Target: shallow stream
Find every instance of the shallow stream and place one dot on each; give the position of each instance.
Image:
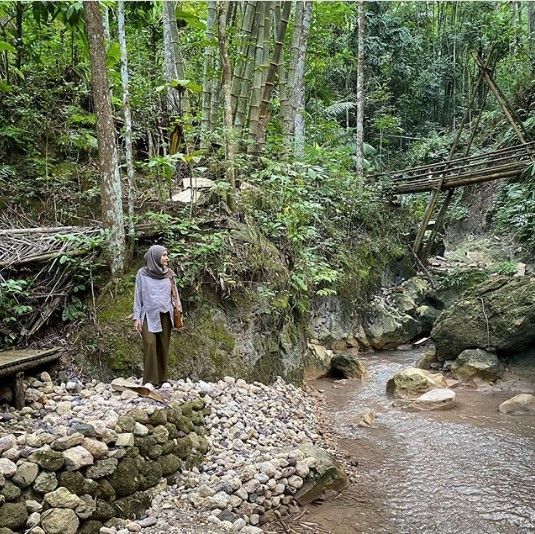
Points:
(466, 470)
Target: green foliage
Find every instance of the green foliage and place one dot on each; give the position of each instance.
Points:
(514, 210)
(13, 308)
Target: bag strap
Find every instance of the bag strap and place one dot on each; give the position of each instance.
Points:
(174, 293)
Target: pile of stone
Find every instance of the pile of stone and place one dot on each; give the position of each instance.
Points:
(92, 458)
(78, 456)
(262, 463)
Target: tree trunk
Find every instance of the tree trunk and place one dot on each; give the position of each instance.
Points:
(127, 121)
(112, 210)
(177, 99)
(260, 136)
(299, 83)
(209, 71)
(226, 72)
(286, 82)
(360, 90)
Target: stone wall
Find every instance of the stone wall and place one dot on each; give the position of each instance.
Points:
(76, 457)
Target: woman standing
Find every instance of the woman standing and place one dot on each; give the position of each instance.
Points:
(154, 299)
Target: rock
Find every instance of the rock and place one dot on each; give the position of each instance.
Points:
(26, 474)
(346, 366)
(125, 440)
(66, 442)
(7, 468)
(13, 515)
(96, 448)
(10, 491)
(412, 382)
(45, 482)
(427, 359)
(522, 404)
(7, 442)
(140, 430)
(386, 327)
(60, 521)
(498, 313)
(62, 498)
(77, 457)
(33, 506)
(147, 522)
(477, 364)
(33, 520)
(86, 508)
(435, 399)
(327, 478)
(48, 459)
(102, 468)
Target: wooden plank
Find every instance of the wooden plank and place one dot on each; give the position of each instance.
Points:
(12, 361)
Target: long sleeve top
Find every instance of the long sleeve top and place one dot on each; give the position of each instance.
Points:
(152, 296)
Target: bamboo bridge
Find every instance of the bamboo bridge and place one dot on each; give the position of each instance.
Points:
(508, 163)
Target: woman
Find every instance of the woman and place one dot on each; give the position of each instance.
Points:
(153, 312)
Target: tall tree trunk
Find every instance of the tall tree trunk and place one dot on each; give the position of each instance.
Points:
(260, 136)
(177, 100)
(287, 79)
(360, 90)
(209, 70)
(226, 73)
(112, 210)
(127, 120)
(299, 83)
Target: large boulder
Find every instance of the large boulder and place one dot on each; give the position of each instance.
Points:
(523, 404)
(413, 382)
(346, 366)
(326, 478)
(498, 313)
(386, 327)
(477, 364)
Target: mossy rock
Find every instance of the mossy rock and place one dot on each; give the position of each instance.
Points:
(76, 483)
(170, 464)
(13, 515)
(105, 490)
(48, 459)
(125, 479)
(133, 506)
(11, 491)
(151, 473)
(184, 424)
(144, 444)
(183, 447)
(158, 417)
(499, 313)
(103, 511)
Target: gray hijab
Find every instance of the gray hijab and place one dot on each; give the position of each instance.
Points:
(153, 267)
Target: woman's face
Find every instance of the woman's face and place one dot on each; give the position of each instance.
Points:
(164, 260)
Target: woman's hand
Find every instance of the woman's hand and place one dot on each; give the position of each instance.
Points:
(137, 326)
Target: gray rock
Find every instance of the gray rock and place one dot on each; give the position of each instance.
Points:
(45, 482)
(328, 477)
(7, 468)
(62, 498)
(413, 382)
(77, 457)
(102, 468)
(523, 404)
(26, 474)
(66, 442)
(60, 521)
(477, 364)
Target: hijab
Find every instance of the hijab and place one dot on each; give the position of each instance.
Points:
(153, 267)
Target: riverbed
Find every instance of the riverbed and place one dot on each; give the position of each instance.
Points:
(466, 470)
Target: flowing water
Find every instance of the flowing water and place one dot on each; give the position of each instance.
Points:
(466, 470)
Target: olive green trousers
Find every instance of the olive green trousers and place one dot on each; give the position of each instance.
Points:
(156, 351)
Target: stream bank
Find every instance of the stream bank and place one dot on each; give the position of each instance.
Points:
(469, 469)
